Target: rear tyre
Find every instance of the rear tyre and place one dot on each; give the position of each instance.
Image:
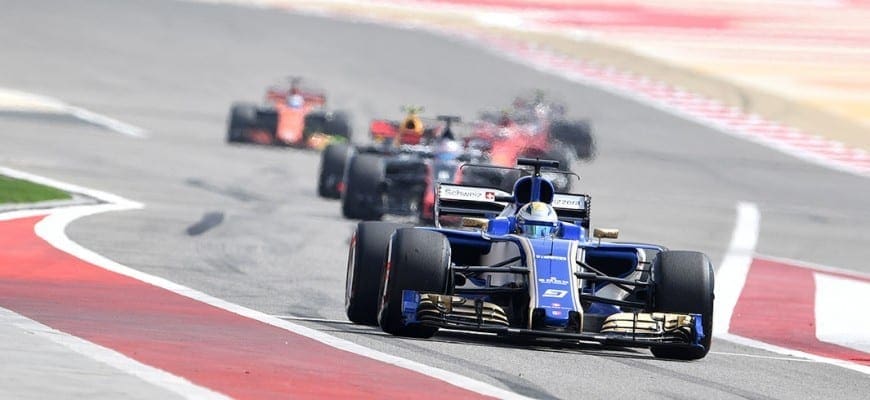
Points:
(243, 116)
(365, 265)
(332, 164)
(684, 284)
(338, 124)
(363, 197)
(577, 135)
(418, 260)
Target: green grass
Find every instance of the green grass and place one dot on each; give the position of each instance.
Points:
(18, 191)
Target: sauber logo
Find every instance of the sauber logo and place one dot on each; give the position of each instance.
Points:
(553, 281)
(490, 196)
(548, 257)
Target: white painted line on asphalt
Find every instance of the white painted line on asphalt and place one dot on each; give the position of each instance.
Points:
(110, 357)
(310, 319)
(723, 353)
(791, 352)
(68, 187)
(23, 214)
(842, 315)
(735, 266)
(52, 229)
(106, 122)
(816, 267)
(18, 101)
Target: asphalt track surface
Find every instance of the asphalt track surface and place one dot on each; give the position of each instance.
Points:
(174, 68)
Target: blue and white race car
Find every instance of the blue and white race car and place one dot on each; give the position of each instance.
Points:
(524, 264)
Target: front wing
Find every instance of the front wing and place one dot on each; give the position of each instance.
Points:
(478, 316)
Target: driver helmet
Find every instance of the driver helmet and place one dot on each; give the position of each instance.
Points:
(505, 119)
(448, 150)
(296, 101)
(537, 220)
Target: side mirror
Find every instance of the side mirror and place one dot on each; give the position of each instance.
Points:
(470, 222)
(605, 233)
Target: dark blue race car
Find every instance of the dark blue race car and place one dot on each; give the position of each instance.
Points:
(524, 264)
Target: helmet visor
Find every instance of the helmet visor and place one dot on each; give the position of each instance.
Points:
(537, 230)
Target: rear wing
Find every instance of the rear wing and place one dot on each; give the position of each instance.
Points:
(486, 202)
(573, 208)
(468, 201)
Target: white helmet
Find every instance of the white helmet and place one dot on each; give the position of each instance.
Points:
(448, 150)
(537, 220)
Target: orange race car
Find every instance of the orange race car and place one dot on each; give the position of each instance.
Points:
(293, 115)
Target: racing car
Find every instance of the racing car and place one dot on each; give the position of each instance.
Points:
(393, 175)
(292, 115)
(534, 126)
(523, 264)
(388, 137)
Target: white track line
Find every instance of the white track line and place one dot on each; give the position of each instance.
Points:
(730, 280)
(735, 266)
(816, 267)
(791, 352)
(52, 230)
(841, 311)
(23, 214)
(723, 353)
(112, 358)
(18, 101)
(310, 319)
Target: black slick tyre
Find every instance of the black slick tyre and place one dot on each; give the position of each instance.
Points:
(365, 264)
(363, 197)
(333, 160)
(684, 284)
(577, 135)
(418, 260)
(243, 116)
(338, 124)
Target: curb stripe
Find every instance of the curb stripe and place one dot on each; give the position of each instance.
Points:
(777, 306)
(52, 230)
(837, 321)
(110, 357)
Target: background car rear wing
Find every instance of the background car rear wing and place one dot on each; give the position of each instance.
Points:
(486, 202)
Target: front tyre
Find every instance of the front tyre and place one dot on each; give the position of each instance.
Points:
(365, 264)
(418, 260)
(243, 116)
(684, 285)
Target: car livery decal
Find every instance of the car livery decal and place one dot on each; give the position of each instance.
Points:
(569, 201)
(468, 193)
(554, 280)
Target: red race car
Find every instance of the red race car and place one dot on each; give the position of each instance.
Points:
(533, 127)
(292, 115)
